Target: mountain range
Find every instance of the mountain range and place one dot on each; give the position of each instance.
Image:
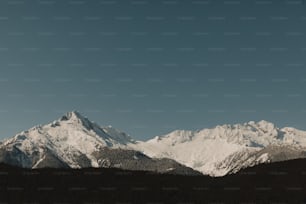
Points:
(73, 141)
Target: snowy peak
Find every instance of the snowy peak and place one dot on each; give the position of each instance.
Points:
(261, 133)
(109, 134)
(262, 123)
(76, 118)
(113, 137)
(252, 133)
(264, 126)
(260, 126)
(72, 116)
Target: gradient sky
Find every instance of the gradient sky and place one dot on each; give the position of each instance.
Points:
(148, 67)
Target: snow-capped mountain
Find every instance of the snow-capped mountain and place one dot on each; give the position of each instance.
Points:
(228, 148)
(70, 137)
(73, 141)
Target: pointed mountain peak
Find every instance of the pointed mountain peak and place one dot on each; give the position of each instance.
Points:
(76, 118)
(73, 115)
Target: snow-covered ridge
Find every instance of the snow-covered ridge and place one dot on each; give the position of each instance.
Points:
(74, 141)
(225, 148)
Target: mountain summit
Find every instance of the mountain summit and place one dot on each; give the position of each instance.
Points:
(73, 141)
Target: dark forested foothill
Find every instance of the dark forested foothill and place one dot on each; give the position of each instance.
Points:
(280, 182)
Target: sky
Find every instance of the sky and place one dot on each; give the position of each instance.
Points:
(148, 67)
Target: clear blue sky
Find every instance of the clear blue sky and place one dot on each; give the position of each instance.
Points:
(151, 66)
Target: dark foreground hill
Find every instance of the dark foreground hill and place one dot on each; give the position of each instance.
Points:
(282, 182)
